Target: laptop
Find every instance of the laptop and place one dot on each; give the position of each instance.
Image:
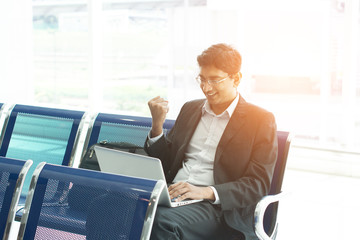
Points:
(135, 165)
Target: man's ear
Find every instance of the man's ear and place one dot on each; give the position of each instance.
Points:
(237, 78)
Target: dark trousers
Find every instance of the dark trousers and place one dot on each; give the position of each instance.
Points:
(201, 220)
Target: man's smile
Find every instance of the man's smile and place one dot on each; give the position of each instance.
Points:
(210, 94)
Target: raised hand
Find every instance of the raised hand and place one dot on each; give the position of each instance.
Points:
(159, 107)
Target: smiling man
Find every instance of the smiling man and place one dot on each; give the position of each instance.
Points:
(221, 149)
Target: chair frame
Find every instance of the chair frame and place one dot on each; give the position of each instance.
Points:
(273, 197)
(4, 119)
(151, 211)
(16, 196)
(29, 199)
(76, 145)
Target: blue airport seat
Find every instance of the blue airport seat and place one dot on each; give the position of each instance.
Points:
(121, 128)
(12, 174)
(120, 207)
(266, 225)
(42, 135)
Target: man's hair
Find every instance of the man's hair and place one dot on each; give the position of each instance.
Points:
(221, 56)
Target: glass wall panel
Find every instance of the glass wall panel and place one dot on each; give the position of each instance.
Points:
(60, 37)
(300, 58)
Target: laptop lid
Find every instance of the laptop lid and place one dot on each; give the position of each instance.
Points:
(129, 164)
(135, 165)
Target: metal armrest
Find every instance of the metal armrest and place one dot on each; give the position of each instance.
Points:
(16, 197)
(259, 215)
(150, 213)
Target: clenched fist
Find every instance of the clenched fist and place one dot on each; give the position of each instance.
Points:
(159, 107)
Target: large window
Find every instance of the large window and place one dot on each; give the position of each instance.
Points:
(135, 56)
(300, 58)
(61, 52)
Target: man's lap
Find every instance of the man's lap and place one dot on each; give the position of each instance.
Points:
(201, 220)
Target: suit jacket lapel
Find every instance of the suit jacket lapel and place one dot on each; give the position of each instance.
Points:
(194, 116)
(192, 123)
(235, 123)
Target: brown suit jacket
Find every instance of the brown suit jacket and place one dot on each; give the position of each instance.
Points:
(244, 159)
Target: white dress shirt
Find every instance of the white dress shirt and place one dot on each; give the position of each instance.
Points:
(197, 167)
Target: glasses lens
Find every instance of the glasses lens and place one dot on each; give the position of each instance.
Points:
(200, 80)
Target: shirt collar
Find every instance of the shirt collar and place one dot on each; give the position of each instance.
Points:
(230, 110)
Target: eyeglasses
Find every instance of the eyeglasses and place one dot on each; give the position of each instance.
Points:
(202, 81)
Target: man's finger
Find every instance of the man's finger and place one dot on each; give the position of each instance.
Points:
(176, 189)
(182, 197)
(175, 185)
(155, 98)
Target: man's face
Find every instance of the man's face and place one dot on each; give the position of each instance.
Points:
(221, 94)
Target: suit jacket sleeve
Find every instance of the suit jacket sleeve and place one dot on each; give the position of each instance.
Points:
(169, 147)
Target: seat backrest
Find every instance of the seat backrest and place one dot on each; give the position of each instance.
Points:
(270, 216)
(41, 134)
(12, 173)
(120, 209)
(121, 128)
(284, 141)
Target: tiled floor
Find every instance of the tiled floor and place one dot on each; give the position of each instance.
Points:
(320, 206)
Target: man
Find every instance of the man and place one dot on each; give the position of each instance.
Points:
(221, 149)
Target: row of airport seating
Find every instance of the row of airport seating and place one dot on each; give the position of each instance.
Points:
(56, 139)
(60, 137)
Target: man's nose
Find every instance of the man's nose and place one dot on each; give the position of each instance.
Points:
(206, 86)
